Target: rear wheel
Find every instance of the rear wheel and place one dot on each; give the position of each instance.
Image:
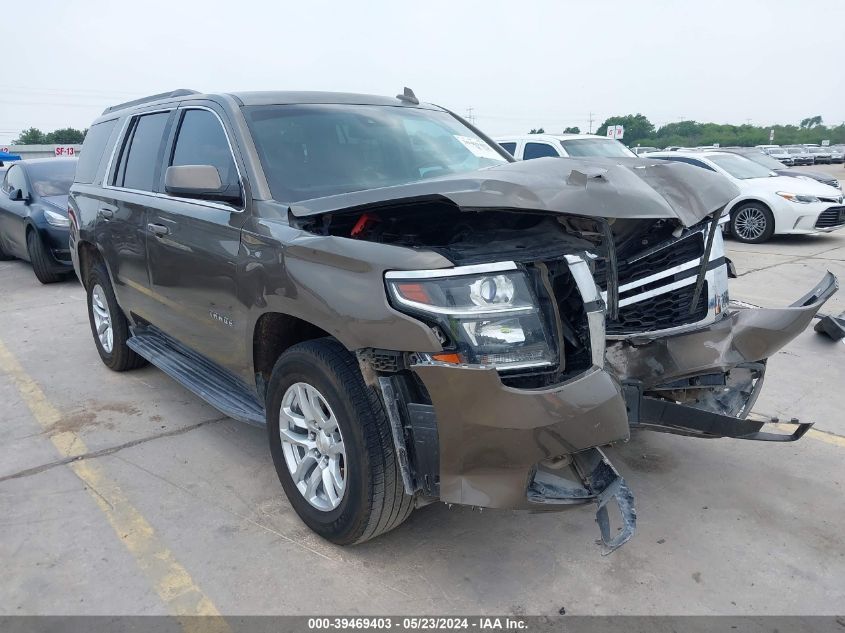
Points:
(332, 446)
(752, 223)
(41, 264)
(108, 323)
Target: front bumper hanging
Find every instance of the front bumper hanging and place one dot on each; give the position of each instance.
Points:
(599, 482)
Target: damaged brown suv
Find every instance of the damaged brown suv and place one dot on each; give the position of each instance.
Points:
(413, 315)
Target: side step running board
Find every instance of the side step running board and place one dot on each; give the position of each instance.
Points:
(196, 373)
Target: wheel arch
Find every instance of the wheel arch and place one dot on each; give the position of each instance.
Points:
(272, 335)
(88, 255)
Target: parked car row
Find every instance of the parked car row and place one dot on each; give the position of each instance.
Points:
(412, 313)
(805, 154)
(772, 198)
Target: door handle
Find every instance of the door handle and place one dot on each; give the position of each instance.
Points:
(158, 230)
(106, 214)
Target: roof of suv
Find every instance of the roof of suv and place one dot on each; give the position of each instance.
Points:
(550, 137)
(272, 97)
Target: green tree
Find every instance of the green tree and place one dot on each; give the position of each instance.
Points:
(572, 130)
(538, 130)
(66, 136)
(32, 136)
(811, 122)
(637, 127)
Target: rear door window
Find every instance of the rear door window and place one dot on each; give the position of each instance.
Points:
(538, 150)
(139, 160)
(93, 149)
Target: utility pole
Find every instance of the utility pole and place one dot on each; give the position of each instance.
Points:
(470, 115)
(591, 123)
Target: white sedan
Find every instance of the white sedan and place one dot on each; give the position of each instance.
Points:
(768, 204)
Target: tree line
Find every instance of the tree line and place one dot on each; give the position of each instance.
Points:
(64, 136)
(640, 131)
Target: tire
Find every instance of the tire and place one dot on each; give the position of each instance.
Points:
(752, 223)
(101, 297)
(40, 259)
(373, 500)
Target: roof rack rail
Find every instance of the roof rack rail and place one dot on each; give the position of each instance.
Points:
(182, 92)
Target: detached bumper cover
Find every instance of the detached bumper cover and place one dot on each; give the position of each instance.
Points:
(705, 382)
(492, 437)
(744, 335)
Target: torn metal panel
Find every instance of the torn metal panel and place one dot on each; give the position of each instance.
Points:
(492, 436)
(631, 188)
(588, 476)
(741, 336)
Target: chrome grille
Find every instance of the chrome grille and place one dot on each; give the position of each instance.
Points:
(656, 287)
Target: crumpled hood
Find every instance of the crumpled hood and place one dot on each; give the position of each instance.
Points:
(631, 188)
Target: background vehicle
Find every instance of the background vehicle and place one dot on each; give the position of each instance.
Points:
(768, 161)
(781, 154)
(837, 154)
(820, 154)
(800, 155)
(769, 204)
(33, 215)
(531, 146)
(640, 150)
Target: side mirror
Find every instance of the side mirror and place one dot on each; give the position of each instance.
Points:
(201, 182)
(15, 195)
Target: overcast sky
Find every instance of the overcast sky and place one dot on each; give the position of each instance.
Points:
(518, 64)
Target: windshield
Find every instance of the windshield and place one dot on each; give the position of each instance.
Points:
(795, 150)
(740, 167)
(52, 178)
(817, 150)
(312, 151)
(596, 147)
(763, 159)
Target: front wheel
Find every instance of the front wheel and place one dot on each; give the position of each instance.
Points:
(41, 265)
(332, 446)
(752, 223)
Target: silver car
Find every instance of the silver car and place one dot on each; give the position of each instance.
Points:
(801, 156)
(820, 154)
(781, 154)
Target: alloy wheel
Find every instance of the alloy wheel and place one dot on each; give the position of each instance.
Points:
(750, 223)
(313, 446)
(102, 318)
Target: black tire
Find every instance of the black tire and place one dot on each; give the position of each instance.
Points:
(40, 259)
(121, 357)
(764, 215)
(374, 499)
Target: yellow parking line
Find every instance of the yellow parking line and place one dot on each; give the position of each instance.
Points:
(171, 580)
(827, 437)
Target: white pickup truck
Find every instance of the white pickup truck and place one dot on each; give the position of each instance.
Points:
(530, 146)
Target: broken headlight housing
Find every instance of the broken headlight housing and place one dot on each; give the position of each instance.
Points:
(488, 313)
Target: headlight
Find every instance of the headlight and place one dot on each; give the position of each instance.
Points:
(794, 197)
(488, 311)
(55, 219)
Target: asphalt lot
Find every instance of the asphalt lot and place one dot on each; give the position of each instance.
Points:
(182, 512)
